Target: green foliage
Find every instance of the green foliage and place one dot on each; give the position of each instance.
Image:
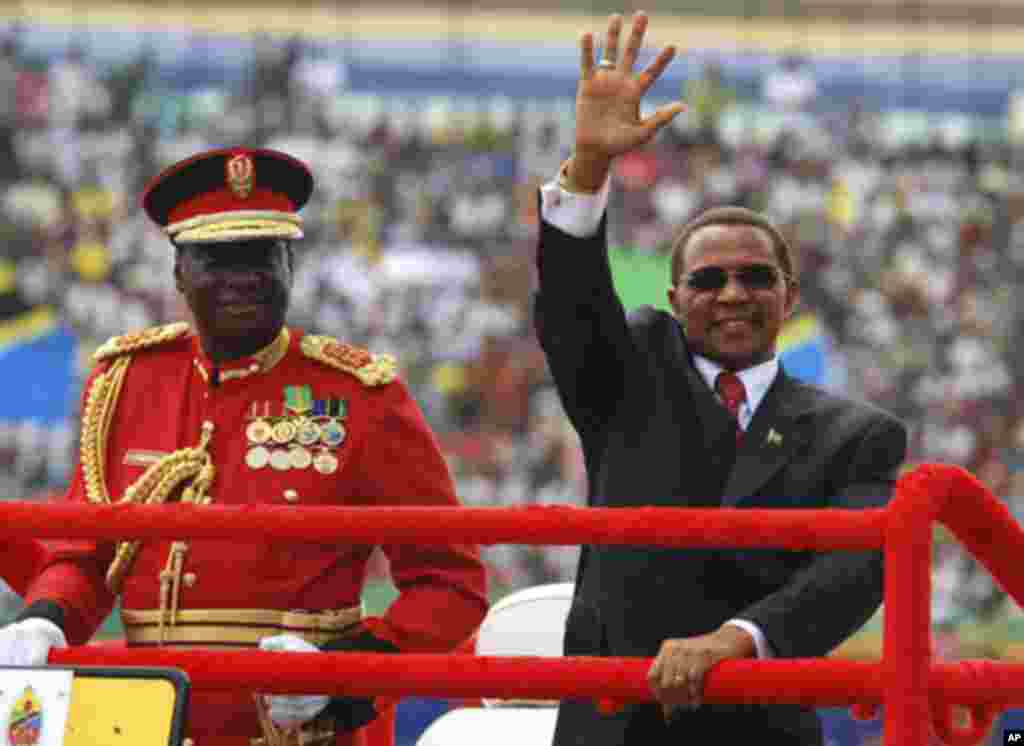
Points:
(640, 278)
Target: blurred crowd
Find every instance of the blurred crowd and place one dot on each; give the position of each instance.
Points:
(420, 241)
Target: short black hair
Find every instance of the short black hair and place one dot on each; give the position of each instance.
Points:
(732, 215)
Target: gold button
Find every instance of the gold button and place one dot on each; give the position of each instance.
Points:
(291, 496)
(189, 579)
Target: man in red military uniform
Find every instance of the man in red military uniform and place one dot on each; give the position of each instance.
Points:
(243, 410)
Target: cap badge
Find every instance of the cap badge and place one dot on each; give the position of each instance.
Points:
(240, 172)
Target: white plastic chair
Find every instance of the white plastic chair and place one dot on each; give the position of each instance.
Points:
(527, 622)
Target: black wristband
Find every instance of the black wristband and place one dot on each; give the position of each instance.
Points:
(350, 713)
(42, 609)
(364, 642)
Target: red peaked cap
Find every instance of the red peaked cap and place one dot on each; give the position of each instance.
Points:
(234, 193)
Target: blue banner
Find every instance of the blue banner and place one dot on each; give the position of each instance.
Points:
(38, 364)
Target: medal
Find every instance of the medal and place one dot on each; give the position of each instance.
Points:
(257, 458)
(258, 432)
(280, 460)
(332, 433)
(300, 458)
(283, 432)
(325, 462)
(308, 432)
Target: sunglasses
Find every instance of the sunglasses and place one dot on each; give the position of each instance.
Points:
(751, 276)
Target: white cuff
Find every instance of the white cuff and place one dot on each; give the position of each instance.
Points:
(764, 650)
(287, 643)
(50, 632)
(575, 213)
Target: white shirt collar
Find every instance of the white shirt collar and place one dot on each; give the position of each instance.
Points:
(756, 380)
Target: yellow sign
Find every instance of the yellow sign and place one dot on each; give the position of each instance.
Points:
(118, 709)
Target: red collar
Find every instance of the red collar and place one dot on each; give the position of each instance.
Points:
(259, 362)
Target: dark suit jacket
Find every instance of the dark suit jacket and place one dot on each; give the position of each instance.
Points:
(653, 433)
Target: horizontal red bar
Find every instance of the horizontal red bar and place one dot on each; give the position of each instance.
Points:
(822, 682)
(554, 525)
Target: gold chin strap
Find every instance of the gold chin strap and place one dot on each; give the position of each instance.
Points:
(154, 487)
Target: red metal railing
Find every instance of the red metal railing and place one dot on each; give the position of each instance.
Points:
(918, 695)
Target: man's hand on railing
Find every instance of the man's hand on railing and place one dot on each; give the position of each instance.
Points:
(289, 711)
(677, 675)
(28, 642)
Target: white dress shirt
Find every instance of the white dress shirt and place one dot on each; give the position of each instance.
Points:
(579, 215)
(756, 381)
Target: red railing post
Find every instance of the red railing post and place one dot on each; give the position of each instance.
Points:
(906, 646)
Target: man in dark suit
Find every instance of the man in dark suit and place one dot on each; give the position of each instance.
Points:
(692, 409)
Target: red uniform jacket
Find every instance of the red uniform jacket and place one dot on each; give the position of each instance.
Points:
(370, 446)
(20, 560)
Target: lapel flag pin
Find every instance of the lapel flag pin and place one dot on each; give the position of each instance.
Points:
(773, 438)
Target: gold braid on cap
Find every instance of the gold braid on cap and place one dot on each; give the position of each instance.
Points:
(370, 369)
(270, 217)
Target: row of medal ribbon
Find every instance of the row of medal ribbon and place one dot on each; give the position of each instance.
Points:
(306, 431)
(293, 457)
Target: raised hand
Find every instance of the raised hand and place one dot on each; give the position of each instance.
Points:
(608, 96)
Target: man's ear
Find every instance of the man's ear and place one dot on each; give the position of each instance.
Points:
(675, 304)
(179, 285)
(792, 300)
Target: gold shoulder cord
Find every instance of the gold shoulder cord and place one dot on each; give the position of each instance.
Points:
(96, 416)
(153, 488)
(98, 411)
(155, 485)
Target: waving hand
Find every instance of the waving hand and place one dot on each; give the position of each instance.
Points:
(608, 121)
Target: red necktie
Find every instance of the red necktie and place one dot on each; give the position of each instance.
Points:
(730, 388)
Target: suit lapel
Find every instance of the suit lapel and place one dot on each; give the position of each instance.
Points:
(714, 420)
(779, 428)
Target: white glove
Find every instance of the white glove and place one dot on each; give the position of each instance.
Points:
(292, 710)
(28, 642)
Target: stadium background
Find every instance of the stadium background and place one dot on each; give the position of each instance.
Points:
(884, 137)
